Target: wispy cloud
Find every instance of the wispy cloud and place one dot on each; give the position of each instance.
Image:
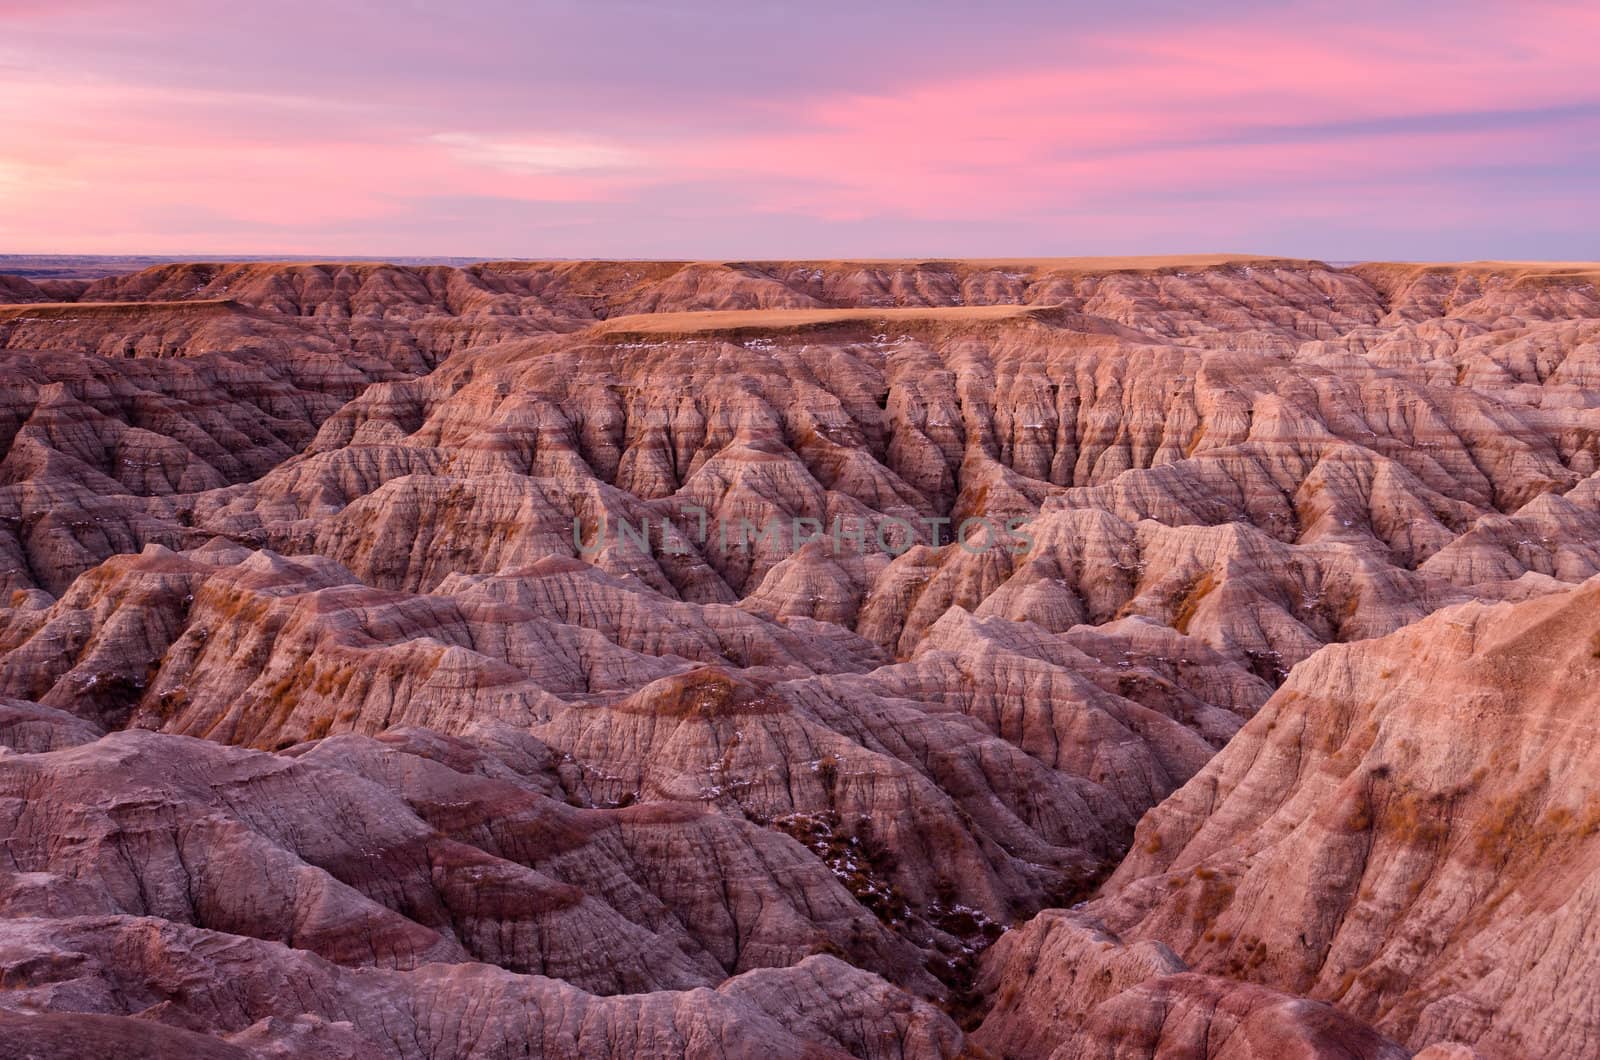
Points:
(536, 156)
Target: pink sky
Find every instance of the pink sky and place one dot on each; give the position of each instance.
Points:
(706, 129)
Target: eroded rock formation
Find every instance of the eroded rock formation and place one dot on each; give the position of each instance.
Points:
(715, 659)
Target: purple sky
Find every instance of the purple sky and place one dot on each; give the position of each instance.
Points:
(713, 130)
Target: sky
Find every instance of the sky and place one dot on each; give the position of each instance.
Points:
(870, 128)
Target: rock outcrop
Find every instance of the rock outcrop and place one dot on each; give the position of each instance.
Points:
(1065, 988)
(1410, 829)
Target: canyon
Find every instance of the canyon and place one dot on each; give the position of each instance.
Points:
(420, 661)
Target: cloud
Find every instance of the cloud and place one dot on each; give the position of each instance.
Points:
(536, 156)
(1260, 106)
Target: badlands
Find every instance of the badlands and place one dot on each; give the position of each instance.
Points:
(425, 661)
